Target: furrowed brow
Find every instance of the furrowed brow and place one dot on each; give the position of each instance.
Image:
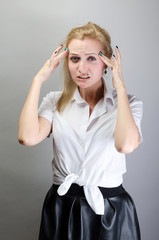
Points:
(73, 54)
(85, 54)
(91, 54)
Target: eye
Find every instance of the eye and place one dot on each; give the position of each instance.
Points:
(74, 59)
(92, 59)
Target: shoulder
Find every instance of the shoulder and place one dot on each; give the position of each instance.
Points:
(132, 98)
(52, 97)
(134, 101)
(49, 101)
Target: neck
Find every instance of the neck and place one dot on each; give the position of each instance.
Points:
(92, 94)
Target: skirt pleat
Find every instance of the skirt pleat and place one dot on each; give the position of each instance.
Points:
(71, 218)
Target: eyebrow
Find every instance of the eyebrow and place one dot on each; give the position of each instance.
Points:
(85, 54)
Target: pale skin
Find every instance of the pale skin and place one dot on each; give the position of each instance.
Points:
(86, 68)
(126, 132)
(32, 128)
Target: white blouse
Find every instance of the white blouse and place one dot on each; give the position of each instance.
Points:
(83, 145)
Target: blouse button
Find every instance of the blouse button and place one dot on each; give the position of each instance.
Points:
(81, 166)
(82, 144)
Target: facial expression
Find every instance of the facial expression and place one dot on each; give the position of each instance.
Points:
(85, 66)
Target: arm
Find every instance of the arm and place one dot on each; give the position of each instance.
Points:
(33, 129)
(126, 132)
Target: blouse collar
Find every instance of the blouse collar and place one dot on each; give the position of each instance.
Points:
(108, 94)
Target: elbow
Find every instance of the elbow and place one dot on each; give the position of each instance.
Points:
(26, 141)
(23, 142)
(21, 139)
(126, 147)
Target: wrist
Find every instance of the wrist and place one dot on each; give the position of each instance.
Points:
(38, 80)
(121, 89)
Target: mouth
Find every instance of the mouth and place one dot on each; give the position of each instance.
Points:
(83, 78)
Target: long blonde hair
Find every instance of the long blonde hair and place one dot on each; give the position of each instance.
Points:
(92, 31)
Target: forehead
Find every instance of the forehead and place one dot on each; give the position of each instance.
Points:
(84, 46)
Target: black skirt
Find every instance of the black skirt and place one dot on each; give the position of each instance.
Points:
(70, 217)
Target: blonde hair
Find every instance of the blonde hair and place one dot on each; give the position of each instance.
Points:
(92, 31)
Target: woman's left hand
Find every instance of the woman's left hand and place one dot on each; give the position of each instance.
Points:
(115, 64)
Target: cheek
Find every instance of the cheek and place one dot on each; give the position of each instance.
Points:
(98, 70)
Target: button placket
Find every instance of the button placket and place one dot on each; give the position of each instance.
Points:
(83, 129)
(81, 166)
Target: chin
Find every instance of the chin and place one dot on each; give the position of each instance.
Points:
(83, 85)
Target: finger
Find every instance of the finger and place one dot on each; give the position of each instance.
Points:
(117, 66)
(115, 60)
(56, 59)
(106, 60)
(118, 54)
(56, 52)
(63, 54)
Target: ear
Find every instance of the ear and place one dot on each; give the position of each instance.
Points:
(104, 69)
(105, 66)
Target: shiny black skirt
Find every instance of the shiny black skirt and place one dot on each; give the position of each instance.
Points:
(69, 217)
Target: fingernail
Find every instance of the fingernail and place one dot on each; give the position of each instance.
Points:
(113, 55)
(116, 46)
(100, 53)
(61, 45)
(65, 49)
(55, 52)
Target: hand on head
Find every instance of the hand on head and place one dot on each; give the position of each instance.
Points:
(115, 65)
(51, 64)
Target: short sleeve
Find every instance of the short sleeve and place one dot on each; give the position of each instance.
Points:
(136, 107)
(48, 106)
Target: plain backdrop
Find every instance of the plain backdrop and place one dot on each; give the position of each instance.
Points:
(30, 31)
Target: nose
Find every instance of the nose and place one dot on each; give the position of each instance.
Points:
(82, 67)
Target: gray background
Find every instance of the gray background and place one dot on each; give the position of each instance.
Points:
(30, 31)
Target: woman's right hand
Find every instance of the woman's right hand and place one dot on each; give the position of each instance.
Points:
(50, 65)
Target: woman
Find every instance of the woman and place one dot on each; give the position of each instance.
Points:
(93, 128)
